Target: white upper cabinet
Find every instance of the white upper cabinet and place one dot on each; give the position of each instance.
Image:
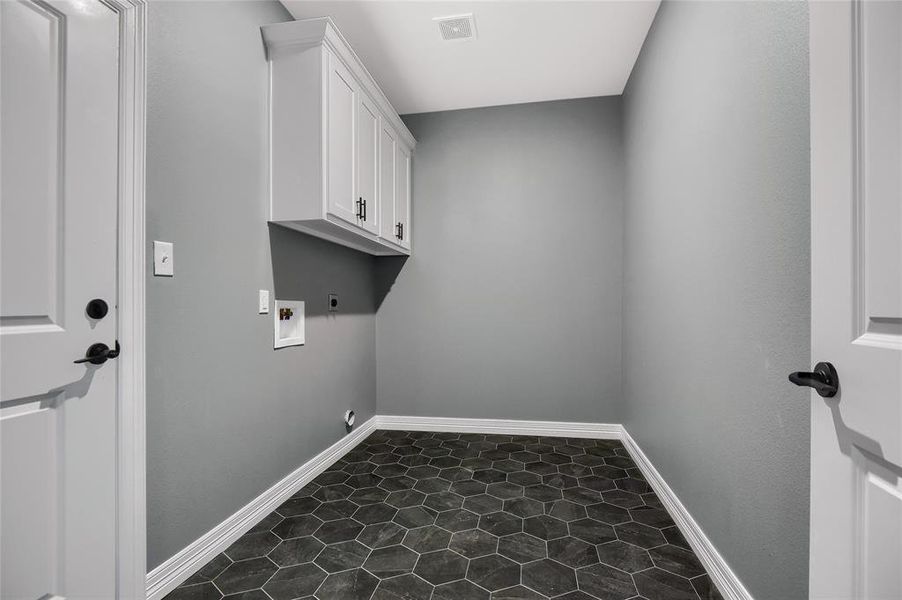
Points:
(339, 153)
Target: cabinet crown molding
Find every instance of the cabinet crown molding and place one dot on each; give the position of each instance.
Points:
(296, 36)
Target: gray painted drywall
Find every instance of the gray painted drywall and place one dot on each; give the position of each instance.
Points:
(226, 415)
(510, 304)
(716, 304)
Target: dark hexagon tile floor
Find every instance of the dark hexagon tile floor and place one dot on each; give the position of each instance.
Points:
(451, 516)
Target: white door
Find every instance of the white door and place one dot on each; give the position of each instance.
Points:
(341, 134)
(402, 198)
(856, 176)
(58, 203)
(367, 164)
(388, 173)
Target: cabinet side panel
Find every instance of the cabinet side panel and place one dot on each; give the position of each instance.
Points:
(296, 137)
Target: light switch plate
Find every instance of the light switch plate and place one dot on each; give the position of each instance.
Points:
(162, 259)
(263, 301)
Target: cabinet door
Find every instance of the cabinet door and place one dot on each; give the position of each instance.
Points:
(367, 164)
(402, 197)
(388, 176)
(341, 199)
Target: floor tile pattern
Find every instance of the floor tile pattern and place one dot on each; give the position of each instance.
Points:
(450, 516)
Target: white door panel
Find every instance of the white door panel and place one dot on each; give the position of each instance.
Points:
(342, 132)
(58, 208)
(388, 173)
(402, 198)
(367, 163)
(856, 436)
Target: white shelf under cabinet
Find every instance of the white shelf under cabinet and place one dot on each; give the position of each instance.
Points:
(340, 156)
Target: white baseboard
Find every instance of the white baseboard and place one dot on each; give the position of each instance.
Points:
(183, 565)
(602, 431)
(721, 574)
(180, 567)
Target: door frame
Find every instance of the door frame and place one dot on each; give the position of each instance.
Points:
(131, 513)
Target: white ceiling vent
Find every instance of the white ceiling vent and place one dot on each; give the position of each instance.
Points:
(457, 27)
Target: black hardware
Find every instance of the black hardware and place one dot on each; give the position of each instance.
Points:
(98, 354)
(97, 308)
(364, 210)
(402, 231)
(360, 208)
(398, 230)
(823, 379)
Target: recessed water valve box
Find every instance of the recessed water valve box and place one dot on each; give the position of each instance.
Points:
(288, 323)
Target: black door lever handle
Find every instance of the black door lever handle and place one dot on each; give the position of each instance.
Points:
(823, 379)
(98, 354)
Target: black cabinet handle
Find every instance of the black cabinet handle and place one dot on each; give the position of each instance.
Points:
(823, 379)
(402, 231)
(398, 230)
(364, 210)
(360, 208)
(98, 354)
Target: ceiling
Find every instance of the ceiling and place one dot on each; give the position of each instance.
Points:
(525, 51)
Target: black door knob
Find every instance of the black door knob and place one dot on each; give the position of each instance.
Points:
(98, 354)
(97, 308)
(823, 379)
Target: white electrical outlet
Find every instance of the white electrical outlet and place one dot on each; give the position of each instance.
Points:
(162, 259)
(263, 302)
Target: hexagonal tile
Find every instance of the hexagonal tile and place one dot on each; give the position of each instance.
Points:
(363, 480)
(623, 499)
(443, 501)
(456, 474)
(460, 590)
(341, 530)
(427, 539)
(572, 552)
(394, 484)
(385, 459)
(549, 577)
(592, 531)
(468, 487)
(620, 461)
(482, 504)
(676, 560)
(522, 547)
(296, 551)
(370, 495)
(423, 472)
(474, 543)
(504, 490)
(494, 572)
(608, 513)
(441, 566)
(415, 460)
(331, 477)
(245, 575)
(623, 556)
(559, 481)
(389, 471)
(582, 496)
(609, 472)
(657, 583)
(391, 561)
(524, 478)
(415, 516)
(209, 571)
(201, 591)
(430, 486)
(524, 507)
(405, 498)
(338, 509)
(298, 506)
(375, 513)
(545, 527)
(489, 476)
(574, 470)
(500, 523)
(540, 468)
(599, 484)
(542, 493)
(252, 545)
(359, 468)
(382, 534)
(405, 587)
(295, 582)
(508, 465)
(457, 520)
(654, 517)
(639, 534)
(603, 581)
(333, 492)
(349, 585)
(630, 484)
(567, 511)
(342, 556)
(518, 592)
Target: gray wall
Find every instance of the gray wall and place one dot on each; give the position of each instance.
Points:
(510, 304)
(716, 304)
(226, 415)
